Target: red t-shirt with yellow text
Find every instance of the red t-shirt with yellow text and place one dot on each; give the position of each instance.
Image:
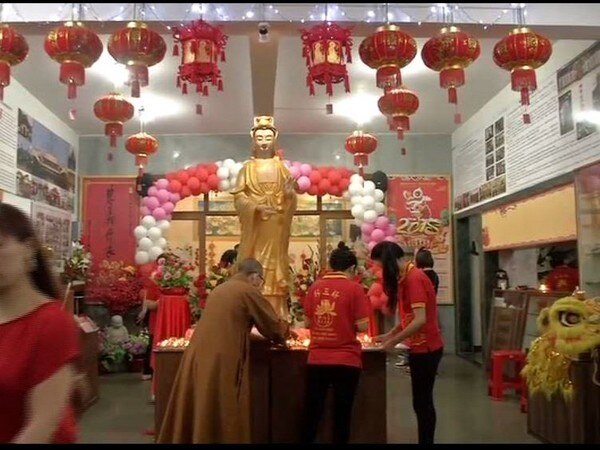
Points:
(335, 305)
(416, 291)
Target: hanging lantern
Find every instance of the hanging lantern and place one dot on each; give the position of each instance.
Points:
(76, 48)
(326, 48)
(361, 145)
(114, 110)
(388, 50)
(202, 45)
(398, 105)
(450, 52)
(137, 47)
(142, 145)
(13, 50)
(521, 52)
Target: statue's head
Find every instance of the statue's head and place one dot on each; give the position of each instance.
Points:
(116, 321)
(264, 137)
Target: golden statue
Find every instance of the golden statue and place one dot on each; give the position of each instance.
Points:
(265, 199)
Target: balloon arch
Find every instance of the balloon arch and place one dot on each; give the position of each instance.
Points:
(157, 206)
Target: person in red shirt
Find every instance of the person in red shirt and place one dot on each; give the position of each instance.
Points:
(336, 308)
(562, 278)
(150, 294)
(418, 329)
(38, 341)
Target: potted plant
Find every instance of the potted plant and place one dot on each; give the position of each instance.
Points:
(77, 266)
(173, 275)
(113, 356)
(136, 348)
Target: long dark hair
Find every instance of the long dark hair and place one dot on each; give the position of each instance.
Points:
(14, 223)
(342, 258)
(388, 254)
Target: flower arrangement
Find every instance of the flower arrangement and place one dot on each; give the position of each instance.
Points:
(114, 284)
(205, 284)
(309, 272)
(173, 272)
(136, 346)
(77, 266)
(217, 276)
(115, 356)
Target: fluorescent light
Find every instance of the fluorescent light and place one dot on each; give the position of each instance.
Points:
(390, 16)
(360, 108)
(156, 106)
(591, 116)
(432, 9)
(176, 155)
(371, 13)
(249, 14)
(197, 8)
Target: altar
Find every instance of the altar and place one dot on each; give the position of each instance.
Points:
(278, 392)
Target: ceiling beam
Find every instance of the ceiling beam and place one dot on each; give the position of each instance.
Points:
(263, 64)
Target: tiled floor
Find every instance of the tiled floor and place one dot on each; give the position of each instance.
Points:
(465, 413)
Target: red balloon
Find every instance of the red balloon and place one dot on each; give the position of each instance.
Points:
(315, 177)
(324, 186)
(175, 186)
(185, 192)
(204, 188)
(191, 171)
(213, 182)
(196, 190)
(313, 189)
(343, 184)
(194, 184)
(335, 190)
(334, 176)
(183, 176)
(202, 173)
(211, 168)
(170, 176)
(324, 171)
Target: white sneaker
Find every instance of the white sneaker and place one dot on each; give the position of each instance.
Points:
(146, 377)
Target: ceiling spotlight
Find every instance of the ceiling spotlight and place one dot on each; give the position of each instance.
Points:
(263, 32)
(176, 155)
(249, 14)
(197, 8)
(390, 16)
(433, 9)
(371, 13)
(270, 6)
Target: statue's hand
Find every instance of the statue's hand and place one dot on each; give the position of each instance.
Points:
(265, 211)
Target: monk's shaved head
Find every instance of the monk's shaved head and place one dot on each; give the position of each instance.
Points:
(250, 266)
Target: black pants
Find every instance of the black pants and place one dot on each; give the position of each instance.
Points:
(147, 369)
(344, 381)
(423, 370)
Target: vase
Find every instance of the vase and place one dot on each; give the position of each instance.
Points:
(136, 365)
(174, 291)
(98, 312)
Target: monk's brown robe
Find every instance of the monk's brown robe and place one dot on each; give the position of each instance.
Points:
(210, 399)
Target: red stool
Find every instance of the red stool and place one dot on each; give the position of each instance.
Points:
(498, 382)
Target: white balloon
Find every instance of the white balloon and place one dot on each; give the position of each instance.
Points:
(368, 188)
(149, 222)
(355, 189)
(379, 208)
(356, 200)
(346, 195)
(162, 243)
(140, 232)
(224, 185)
(142, 258)
(356, 178)
(358, 222)
(219, 163)
(370, 216)
(229, 163)
(368, 202)
(358, 211)
(164, 225)
(379, 195)
(223, 173)
(145, 244)
(154, 253)
(154, 234)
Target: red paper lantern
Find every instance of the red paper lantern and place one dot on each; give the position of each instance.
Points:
(114, 110)
(202, 46)
(326, 48)
(361, 145)
(450, 52)
(13, 51)
(521, 52)
(137, 47)
(76, 48)
(142, 145)
(388, 50)
(399, 105)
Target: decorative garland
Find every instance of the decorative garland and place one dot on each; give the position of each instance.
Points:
(156, 208)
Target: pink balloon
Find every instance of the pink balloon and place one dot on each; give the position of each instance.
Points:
(294, 172)
(175, 198)
(305, 169)
(144, 211)
(163, 195)
(287, 163)
(371, 244)
(377, 235)
(297, 164)
(163, 183)
(169, 217)
(152, 202)
(159, 214)
(382, 222)
(303, 183)
(366, 237)
(391, 230)
(367, 228)
(152, 191)
(390, 238)
(168, 207)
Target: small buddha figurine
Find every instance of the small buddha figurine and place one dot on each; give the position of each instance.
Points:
(117, 332)
(265, 199)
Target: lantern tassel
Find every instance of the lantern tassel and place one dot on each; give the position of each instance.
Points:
(524, 96)
(135, 89)
(199, 109)
(199, 88)
(178, 82)
(403, 151)
(220, 88)
(311, 85)
(223, 56)
(205, 90)
(346, 83)
(113, 140)
(184, 89)
(71, 91)
(175, 50)
(109, 157)
(348, 54)
(457, 118)
(400, 134)
(452, 95)
(1, 93)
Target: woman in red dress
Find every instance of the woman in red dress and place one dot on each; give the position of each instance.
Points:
(419, 329)
(150, 294)
(38, 341)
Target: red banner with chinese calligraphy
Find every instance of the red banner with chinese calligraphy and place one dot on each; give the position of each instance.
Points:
(110, 212)
(419, 205)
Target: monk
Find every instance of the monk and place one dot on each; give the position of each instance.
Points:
(210, 399)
